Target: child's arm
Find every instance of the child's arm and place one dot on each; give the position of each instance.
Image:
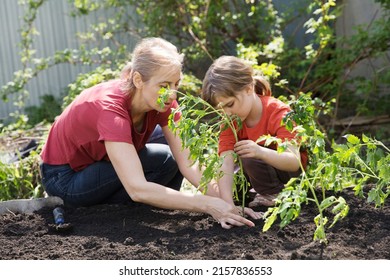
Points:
(226, 182)
(289, 160)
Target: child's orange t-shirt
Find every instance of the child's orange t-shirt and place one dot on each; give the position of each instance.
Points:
(273, 112)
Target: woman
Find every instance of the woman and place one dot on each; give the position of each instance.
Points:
(96, 151)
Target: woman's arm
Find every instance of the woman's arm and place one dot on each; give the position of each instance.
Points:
(127, 165)
(190, 170)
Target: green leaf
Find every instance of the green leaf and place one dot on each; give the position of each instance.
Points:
(271, 215)
(352, 139)
(327, 202)
(377, 196)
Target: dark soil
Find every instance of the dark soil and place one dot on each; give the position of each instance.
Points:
(142, 232)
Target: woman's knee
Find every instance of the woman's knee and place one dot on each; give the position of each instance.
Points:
(157, 157)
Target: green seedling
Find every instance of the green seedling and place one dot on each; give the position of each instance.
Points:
(163, 96)
(356, 164)
(199, 130)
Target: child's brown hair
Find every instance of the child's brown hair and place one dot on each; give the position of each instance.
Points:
(229, 75)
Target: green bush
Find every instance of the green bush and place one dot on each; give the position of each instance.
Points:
(47, 111)
(21, 179)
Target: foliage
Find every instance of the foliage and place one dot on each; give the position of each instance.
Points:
(32, 66)
(202, 28)
(49, 109)
(199, 129)
(27, 53)
(207, 29)
(355, 164)
(19, 172)
(21, 179)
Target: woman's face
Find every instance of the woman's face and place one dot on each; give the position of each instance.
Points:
(239, 105)
(166, 77)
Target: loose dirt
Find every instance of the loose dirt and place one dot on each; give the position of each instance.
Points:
(106, 232)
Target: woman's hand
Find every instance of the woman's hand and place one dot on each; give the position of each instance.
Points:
(250, 212)
(228, 215)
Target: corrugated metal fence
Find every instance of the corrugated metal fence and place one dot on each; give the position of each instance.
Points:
(57, 32)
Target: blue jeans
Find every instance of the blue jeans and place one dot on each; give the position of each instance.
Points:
(157, 136)
(99, 183)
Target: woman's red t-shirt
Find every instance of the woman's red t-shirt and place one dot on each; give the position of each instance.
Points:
(100, 113)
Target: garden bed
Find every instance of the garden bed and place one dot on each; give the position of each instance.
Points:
(141, 232)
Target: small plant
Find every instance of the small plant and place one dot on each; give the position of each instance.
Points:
(367, 160)
(199, 130)
(351, 165)
(20, 179)
(19, 163)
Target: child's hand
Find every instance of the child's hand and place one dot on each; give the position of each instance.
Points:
(247, 149)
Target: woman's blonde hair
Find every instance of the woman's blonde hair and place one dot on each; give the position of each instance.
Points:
(149, 55)
(229, 75)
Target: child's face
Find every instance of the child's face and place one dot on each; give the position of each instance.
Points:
(164, 78)
(239, 105)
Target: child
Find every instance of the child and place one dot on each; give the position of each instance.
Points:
(97, 150)
(229, 84)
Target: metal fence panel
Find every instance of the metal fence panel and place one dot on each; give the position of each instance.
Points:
(57, 32)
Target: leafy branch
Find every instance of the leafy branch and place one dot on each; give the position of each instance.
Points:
(199, 129)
